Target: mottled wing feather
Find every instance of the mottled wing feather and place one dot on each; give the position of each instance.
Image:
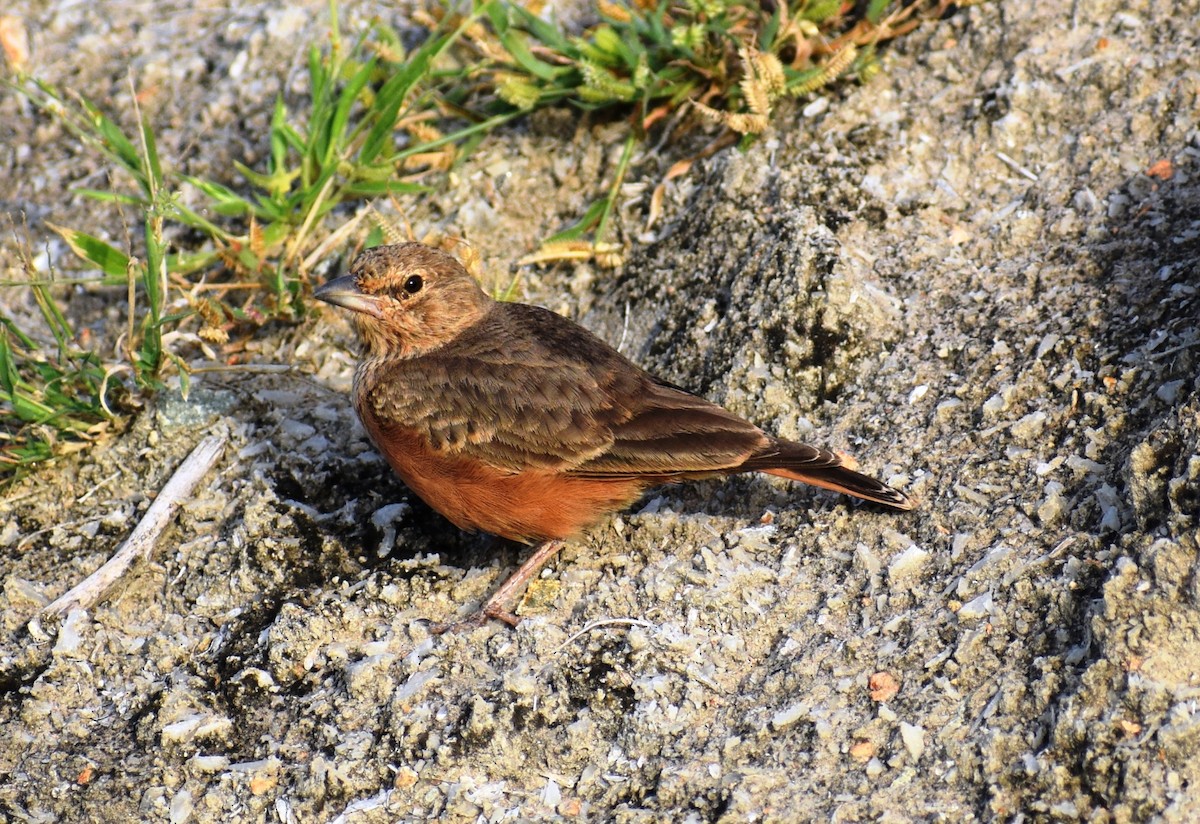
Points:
(795, 456)
(674, 434)
(526, 389)
(506, 393)
(502, 418)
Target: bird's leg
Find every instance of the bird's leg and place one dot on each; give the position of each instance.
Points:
(501, 603)
(504, 599)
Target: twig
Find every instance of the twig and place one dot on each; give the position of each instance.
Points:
(27, 540)
(362, 805)
(1166, 353)
(252, 368)
(604, 622)
(141, 541)
(1016, 167)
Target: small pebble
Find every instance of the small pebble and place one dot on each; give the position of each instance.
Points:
(181, 807)
(977, 608)
(907, 564)
(914, 740)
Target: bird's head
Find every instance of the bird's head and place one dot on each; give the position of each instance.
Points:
(407, 298)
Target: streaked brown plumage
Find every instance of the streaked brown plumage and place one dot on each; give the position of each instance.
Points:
(510, 419)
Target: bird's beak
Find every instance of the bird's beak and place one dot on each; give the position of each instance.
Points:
(344, 292)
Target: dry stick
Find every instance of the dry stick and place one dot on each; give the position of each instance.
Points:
(141, 541)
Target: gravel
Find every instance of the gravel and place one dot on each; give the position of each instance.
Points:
(962, 272)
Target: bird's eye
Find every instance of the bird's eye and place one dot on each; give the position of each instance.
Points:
(413, 284)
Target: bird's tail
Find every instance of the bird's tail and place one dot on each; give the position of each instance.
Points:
(828, 470)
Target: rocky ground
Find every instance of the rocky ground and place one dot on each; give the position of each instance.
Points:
(977, 273)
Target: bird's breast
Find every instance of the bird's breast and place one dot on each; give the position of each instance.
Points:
(528, 506)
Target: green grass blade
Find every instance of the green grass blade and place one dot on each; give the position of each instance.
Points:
(380, 188)
(514, 42)
(108, 259)
(113, 197)
(875, 10)
(769, 32)
(121, 148)
(279, 136)
(319, 146)
(9, 324)
(185, 375)
(222, 200)
(153, 166)
(819, 11)
(185, 263)
(497, 14)
(57, 322)
(275, 211)
(8, 368)
(349, 94)
(586, 223)
(154, 281)
(391, 97)
(461, 134)
(30, 409)
(191, 218)
(546, 33)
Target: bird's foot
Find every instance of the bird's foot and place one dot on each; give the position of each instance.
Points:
(499, 607)
(476, 619)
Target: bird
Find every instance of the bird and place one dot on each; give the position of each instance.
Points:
(510, 419)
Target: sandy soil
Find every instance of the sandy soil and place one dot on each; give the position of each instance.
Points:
(961, 273)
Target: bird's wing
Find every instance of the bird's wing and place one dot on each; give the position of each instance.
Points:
(507, 414)
(671, 433)
(528, 389)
